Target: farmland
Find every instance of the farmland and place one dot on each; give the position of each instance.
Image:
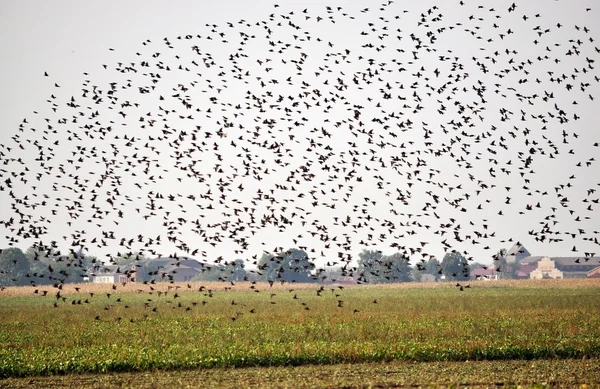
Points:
(133, 331)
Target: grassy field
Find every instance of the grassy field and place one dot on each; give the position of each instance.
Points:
(136, 330)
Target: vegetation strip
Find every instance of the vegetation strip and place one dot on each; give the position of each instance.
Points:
(273, 328)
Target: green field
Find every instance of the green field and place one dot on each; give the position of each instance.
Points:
(490, 324)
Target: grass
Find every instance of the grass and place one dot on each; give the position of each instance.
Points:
(500, 321)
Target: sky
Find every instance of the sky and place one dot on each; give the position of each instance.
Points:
(368, 125)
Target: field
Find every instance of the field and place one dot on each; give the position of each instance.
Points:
(509, 331)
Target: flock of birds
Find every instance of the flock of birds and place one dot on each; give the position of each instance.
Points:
(285, 129)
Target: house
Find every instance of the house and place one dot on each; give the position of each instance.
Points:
(180, 273)
(546, 268)
(524, 270)
(594, 273)
(181, 269)
(517, 253)
(112, 275)
(485, 274)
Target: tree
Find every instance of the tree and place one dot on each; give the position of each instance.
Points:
(396, 268)
(234, 270)
(476, 265)
(126, 260)
(416, 274)
(455, 266)
(376, 268)
(212, 273)
(292, 265)
(14, 267)
(50, 266)
(433, 266)
(369, 266)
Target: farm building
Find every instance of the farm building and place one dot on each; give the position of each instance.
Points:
(180, 273)
(517, 253)
(546, 268)
(113, 275)
(594, 273)
(570, 267)
(576, 267)
(485, 274)
(181, 269)
(524, 270)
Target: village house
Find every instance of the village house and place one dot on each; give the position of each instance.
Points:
(517, 253)
(181, 269)
(485, 274)
(111, 274)
(594, 273)
(180, 273)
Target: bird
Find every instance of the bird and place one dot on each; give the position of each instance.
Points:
(284, 138)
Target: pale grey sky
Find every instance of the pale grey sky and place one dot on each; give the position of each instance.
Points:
(68, 38)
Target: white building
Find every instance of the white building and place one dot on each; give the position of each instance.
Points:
(546, 269)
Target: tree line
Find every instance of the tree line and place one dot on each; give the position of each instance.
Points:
(39, 267)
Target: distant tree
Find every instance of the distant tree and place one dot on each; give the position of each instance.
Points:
(14, 267)
(416, 274)
(475, 266)
(334, 273)
(369, 266)
(211, 273)
(376, 268)
(234, 270)
(433, 267)
(126, 260)
(455, 266)
(396, 268)
(293, 265)
(50, 266)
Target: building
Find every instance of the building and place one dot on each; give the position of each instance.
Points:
(594, 273)
(112, 275)
(485, 274)
(181, 269)
(517, 253)
(524, 270)
(546, 268)
(576, 267)
(570, 267)
(180, 273)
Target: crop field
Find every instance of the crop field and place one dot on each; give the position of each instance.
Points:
(548, 331)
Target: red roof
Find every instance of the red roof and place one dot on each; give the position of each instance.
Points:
(484, 272)
(527, 268)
